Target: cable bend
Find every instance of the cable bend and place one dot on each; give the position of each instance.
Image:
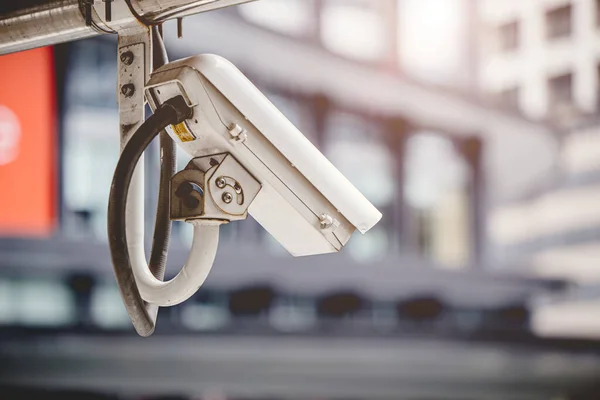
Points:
(192, 275)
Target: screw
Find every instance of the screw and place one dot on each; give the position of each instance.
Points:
(227, 197)
(237, 187)
(325, 221)
(128, 90)
(127, 57)
(221, 182)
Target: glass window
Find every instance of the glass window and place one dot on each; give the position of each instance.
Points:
(204, 317)
(208, 311)
(597, 86)
(560, 91)
(384, 316)
(509, 98)
(432, 167)
(424, 231)
(91, 152)
(292, 314)
(47, 303)
(355, 147)
(107, 309)
(91, 133)
(432, 39)
(558, 22)
(371, 247)
(354, 28)
(508, 36)
(436, 190)
(294, 17)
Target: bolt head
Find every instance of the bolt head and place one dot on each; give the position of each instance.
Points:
(128, 90)
(227, 197)
(127, 58)
(325, 221)
(220, 182)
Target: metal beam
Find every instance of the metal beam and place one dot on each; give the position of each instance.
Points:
(42, 23)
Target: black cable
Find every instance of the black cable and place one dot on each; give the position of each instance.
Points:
(173, 111)
(168, 163)
(86, 13)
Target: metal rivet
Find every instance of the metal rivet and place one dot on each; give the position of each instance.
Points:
(237, 133)
(325, 221)
(227, 197)
(127, 57)
(221, 182)
(128, 90)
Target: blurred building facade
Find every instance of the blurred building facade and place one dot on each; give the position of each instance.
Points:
(542, 58)
(429, 155)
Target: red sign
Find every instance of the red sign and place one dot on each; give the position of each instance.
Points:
(27, 143)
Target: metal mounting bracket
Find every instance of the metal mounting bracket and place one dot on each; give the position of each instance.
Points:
(213, 187)
(134, 66)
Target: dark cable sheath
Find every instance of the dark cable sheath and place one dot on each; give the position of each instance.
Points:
(172, 111)
(168, 161)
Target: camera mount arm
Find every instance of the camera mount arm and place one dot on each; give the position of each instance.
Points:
(121, 213)
(211, 190)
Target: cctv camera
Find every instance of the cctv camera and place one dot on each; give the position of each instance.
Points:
(304, 201)
(247, 158)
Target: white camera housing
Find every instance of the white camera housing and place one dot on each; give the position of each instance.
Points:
(304, 201)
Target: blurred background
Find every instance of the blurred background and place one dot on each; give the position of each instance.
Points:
(471, 124)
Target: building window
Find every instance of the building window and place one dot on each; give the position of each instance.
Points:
(508, 98)
(90, 136)
(558, 22)
(293, 17)
(425, 232)
(437, 176)
(598, 86)
(354, 29)
(508, 36)
(347, 135)
(560, 90)
(432, 41)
